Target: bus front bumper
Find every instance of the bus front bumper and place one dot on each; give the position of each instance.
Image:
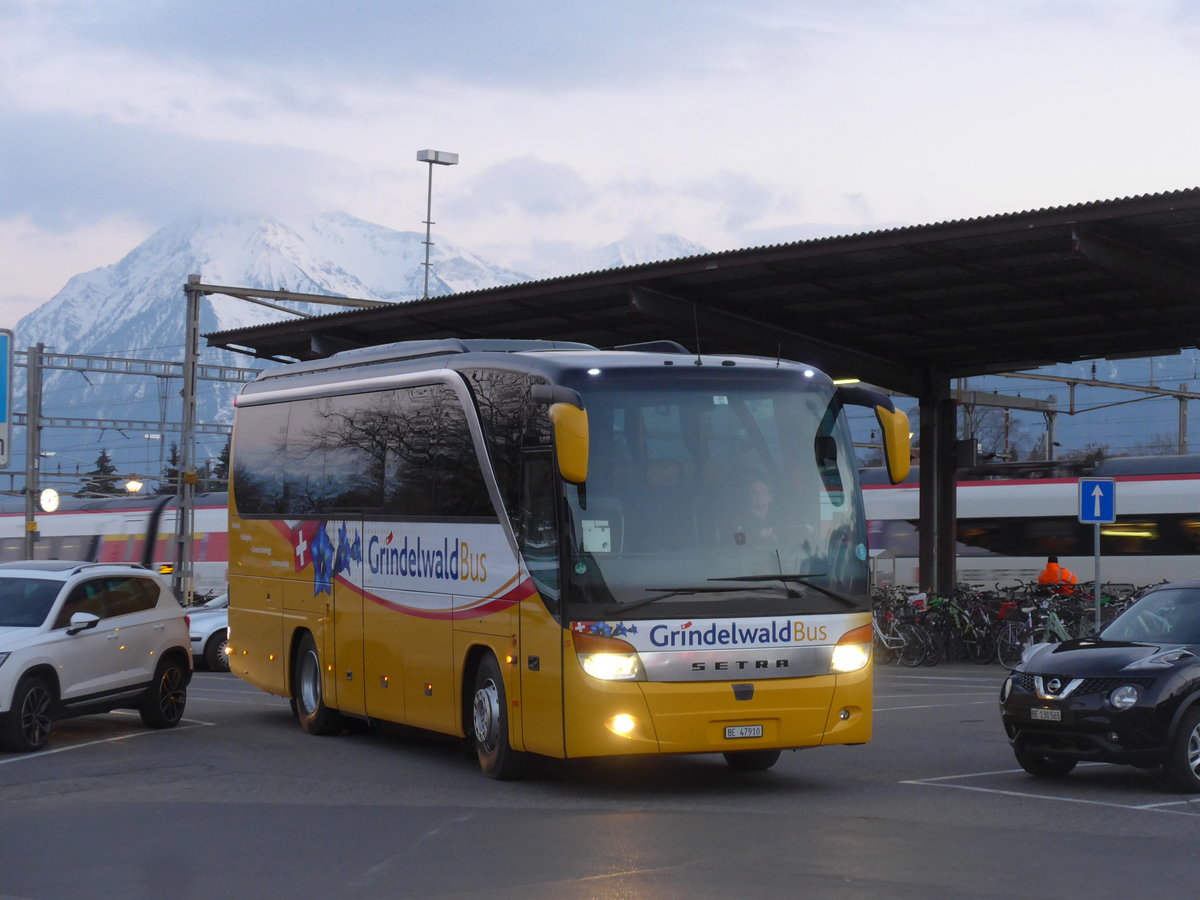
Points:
(626, 718)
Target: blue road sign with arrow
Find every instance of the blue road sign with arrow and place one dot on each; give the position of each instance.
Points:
(1097, 501)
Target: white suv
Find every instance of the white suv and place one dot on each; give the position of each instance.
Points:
(78, 638)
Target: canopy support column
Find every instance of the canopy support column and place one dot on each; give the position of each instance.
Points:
(938, 504)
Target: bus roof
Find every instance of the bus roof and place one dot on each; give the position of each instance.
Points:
(548, 358)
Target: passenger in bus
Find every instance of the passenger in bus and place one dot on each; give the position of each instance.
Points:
(1055, 575)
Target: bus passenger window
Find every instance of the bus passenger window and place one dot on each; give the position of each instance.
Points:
(409, 481)
(459, 488)
(258, 472)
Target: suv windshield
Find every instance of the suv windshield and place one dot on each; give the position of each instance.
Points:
(25, 602)
(1167, 616)
(715, 493)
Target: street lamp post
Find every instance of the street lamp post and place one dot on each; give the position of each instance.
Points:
(440, 158)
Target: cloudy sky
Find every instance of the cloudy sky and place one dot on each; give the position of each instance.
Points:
(731, 124)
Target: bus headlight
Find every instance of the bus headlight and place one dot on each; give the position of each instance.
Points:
(853, 650)
(612, 666)
(607, 659)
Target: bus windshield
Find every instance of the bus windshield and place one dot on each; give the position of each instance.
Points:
(715, 493)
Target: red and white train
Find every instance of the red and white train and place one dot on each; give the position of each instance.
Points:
(1008, 523)
(114, 530)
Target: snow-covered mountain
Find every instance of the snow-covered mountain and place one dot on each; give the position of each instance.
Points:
(134, 309)
(130, 305)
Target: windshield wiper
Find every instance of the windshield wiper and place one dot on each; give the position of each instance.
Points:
(671, 592)
(795, 579)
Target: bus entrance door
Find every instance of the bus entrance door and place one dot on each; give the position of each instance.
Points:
(540, 652)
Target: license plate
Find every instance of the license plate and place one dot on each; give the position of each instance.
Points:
(732, 732)
(1046, 715)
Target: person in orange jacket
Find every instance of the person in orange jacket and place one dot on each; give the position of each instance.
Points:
(1056, 575)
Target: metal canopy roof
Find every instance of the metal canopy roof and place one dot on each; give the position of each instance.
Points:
(900, 308)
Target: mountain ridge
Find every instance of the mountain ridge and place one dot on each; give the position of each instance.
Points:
(134, 308)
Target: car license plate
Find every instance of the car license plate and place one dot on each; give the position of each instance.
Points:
(1046, 715)
(732, 732)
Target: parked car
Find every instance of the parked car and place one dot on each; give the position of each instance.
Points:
(210, 633)
(1129, 695)
(79, 638)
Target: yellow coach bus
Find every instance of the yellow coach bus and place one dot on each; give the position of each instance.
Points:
(553, 549)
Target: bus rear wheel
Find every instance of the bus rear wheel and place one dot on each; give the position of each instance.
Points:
(489, 714)
(308, 702)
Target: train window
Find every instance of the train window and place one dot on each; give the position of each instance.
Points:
(1189, 535)
(1127, 538)
(898, 536)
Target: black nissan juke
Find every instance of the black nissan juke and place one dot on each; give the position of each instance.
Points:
(1130, 695)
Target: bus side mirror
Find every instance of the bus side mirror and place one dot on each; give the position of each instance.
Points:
(897, 443)
(570, 441)
(893, 425)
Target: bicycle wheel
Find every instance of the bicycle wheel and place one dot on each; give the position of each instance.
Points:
(1011, 641)
(913, 648)
(981, 647)
(885, 643)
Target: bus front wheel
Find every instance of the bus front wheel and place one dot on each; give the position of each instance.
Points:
(308, 702)
(489, 713)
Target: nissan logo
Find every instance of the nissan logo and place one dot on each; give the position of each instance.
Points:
(1054, 685)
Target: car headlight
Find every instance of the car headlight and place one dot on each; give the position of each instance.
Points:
(1124, 697)
(1161, 660)
(1006, 688)
(608, 659)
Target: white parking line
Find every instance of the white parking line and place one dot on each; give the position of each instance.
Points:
(193, 723)
(942, 781)
(279, 701)
(932, 706)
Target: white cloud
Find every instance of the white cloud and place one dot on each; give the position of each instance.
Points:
(37, 262)
(725, 125)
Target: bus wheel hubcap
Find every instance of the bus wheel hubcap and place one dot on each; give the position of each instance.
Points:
(487, 715)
